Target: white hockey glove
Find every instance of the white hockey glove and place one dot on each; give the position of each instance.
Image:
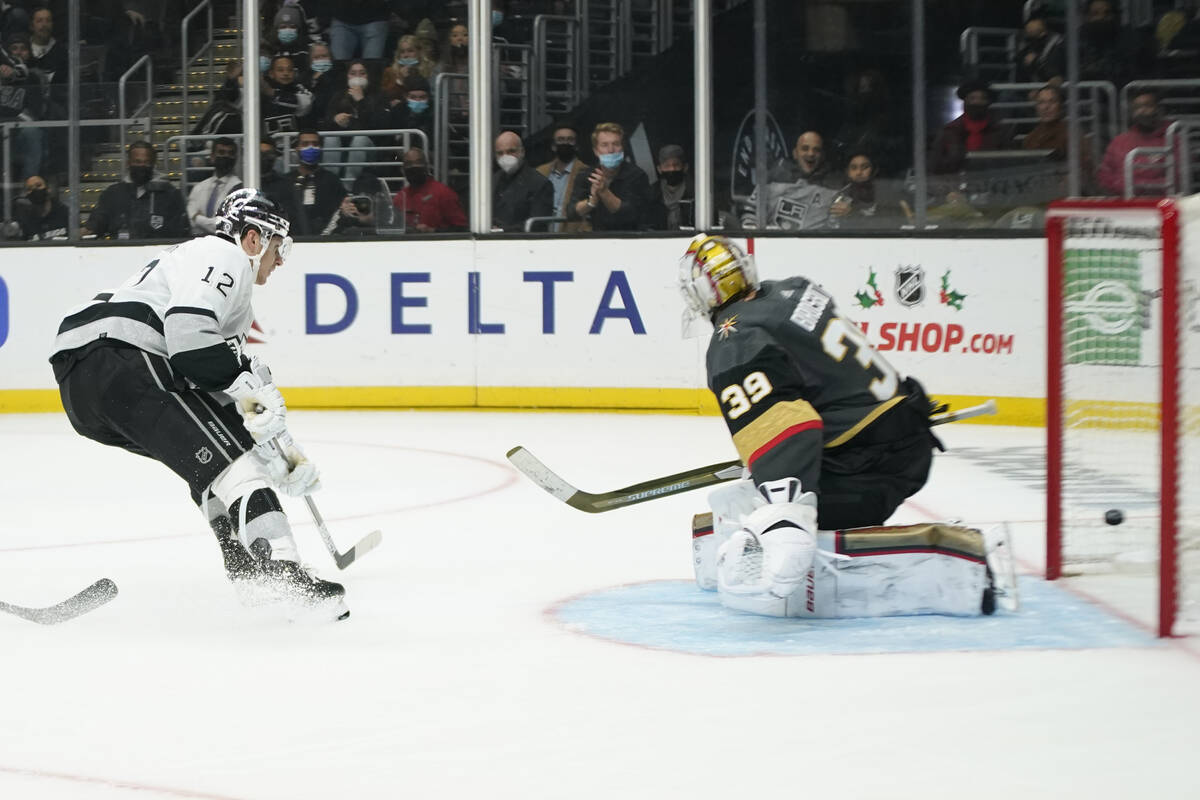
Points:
(287, 466)
(263, 411)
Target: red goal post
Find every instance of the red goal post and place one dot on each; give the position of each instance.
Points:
(1122, 403)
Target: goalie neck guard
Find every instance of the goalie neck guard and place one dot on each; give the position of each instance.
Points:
(714, 271)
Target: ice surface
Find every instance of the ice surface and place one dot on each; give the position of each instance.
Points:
(456, 678)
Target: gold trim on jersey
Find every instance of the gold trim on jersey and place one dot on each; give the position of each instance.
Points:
(935, 537)
(864, 422)
(774, 425)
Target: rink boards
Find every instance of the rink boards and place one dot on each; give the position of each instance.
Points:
(592, 323)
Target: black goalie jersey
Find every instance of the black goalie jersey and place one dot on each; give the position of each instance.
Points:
(802, 390)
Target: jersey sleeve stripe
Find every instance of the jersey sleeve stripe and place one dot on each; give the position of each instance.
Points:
(201, 312)
(781, 421)
(859, 426)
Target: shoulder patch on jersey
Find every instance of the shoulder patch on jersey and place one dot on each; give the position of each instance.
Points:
(727, 326)
(810, 307)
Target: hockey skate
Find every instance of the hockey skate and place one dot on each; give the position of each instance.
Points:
(291, 584)
(1002, 573)
(239, 564)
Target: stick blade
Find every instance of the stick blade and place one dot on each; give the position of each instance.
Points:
(87, 600)
(365, 545)
(543, 476)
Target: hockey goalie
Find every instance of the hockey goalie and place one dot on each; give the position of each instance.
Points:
(833, 439)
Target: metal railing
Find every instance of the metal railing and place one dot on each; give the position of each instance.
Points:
(1144, 158)
(1171, 102)
(1097, 107)
(547, 221)
(512, 93)
(122, 111)
(184, 155)
(408, 135)
(601, 41)
(186, 61)
(450, 149)
(989, 53)
(1179, 141)
(557, 79)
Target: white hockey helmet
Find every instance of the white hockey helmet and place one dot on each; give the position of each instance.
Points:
(250, 208)
(714, 271)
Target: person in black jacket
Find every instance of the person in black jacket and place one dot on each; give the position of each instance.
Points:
(143, 206)
(616, 195)
(38, 213)
(518, 190)
(319, 190)
(278, 187)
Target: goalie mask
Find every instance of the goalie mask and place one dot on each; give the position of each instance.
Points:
(250, 208)
(714, 271)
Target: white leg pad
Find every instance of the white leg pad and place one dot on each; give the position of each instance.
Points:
(240, 479)
(730, 505)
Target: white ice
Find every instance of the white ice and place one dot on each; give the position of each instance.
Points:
(451, 680)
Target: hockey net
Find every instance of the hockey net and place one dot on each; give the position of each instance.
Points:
(1123, 406)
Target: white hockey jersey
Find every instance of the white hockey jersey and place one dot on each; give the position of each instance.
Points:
(190, 304)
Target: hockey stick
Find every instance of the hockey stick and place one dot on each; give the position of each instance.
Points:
(546, 478)
(89, 599)
(343, 560)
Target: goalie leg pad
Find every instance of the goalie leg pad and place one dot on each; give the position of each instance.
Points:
(730, 505)
(786, 528)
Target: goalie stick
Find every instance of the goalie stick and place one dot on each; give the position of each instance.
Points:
(89, 599)
(698, 478)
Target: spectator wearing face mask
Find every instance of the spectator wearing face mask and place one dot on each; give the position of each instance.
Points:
(408, 63)
(355, 108)
(288, 36)
(563, 171)
(1147, 129)
(38, 214)
(319, 190)
(284, 96)
(206, 196)
(673, 195)
(275, 185)
(975, 129)
(143, 206)
(518, 190)
(616, 194)
(428, 205)
(415, 111)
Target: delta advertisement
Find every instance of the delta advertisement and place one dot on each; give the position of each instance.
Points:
(563, 322)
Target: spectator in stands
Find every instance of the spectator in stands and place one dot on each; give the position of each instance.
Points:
(454, 54)
(38, 214)
(563, 171)
(518, 190)
(275, 185)
(287, 36)
(427, 41)
(1147, 129)
(22, 99)
(48, 54)
(414, 112)
(797, 193)
(285, 100)
(1108, 51)
(1042, 57)
(863, 203)
(14, 17)
(975, 129)
(366, 209)
(356, 108)
(143, 206)
(323, 82)
(428, 205)
(868, 124)
(673, 196)
(206, 196)
(616, 194)
(319, 190)
(224, 116)
(409, 63)
(358, 27)
(1052, 132)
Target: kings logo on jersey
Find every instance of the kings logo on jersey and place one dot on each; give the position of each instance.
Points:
(910, 284)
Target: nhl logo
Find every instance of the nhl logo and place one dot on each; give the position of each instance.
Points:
(910, 284)
(204, 455)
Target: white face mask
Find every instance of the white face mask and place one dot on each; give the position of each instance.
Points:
(357, 83)
(508, 163)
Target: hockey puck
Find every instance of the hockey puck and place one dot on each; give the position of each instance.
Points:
(1114, 516)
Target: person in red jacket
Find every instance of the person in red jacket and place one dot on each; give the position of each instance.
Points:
(975, 129)
(1147, 129)
(428, 205)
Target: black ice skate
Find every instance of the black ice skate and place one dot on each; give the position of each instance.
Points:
(239, 564)
(290, 583)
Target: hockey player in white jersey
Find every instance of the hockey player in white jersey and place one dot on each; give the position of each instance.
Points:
(156, 367)
(833, 439)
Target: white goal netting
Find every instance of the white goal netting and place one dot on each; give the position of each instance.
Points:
(1119, 439)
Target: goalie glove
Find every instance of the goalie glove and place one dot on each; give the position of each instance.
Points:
(263, 411)
(786, 529)
(288, 467)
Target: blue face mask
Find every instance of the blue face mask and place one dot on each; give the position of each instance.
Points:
(310, 155)
(497, 18)
(264, 63)
(408, 62)
(287, 35)
(322, 65)
(418, 106)
(611, 160)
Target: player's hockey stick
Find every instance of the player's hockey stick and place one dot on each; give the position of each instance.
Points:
(698, 478)
(343, 560)
(89, 599)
